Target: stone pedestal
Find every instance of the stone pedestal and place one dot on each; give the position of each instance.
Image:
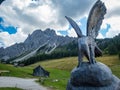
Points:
(92, 77)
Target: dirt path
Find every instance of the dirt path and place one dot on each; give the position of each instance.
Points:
(26, 84)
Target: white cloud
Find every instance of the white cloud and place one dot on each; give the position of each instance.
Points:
(115, 27)
(112, 17)
(28, 18)
(100, 36)
(30, 15)
(10, 39)
(1, 45)
(104, 25)
(111, 4)
(44, 14)
(72, 33)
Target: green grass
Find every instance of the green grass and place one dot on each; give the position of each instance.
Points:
(16, 71)
(66, 64)
(57, 80)
(8, 88)
(59, 70)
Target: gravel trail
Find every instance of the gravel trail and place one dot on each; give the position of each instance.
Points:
(25, 84)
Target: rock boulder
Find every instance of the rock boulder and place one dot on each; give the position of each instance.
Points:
(92, 77)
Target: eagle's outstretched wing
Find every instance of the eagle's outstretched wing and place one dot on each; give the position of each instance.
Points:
(1, 1)
(75, 26)
(95, 19)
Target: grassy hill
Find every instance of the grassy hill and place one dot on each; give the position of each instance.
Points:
(59, 70)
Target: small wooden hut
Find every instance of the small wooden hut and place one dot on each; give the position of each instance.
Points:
(39, 71)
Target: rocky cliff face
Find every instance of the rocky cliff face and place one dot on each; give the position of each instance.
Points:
(33, 41)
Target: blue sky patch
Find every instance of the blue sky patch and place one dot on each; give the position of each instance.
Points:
(1, 20)
(63, 32)
(9, 29)
(104, 31)
(83, 25)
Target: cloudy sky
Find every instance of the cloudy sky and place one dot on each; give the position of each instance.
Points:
(18, 18)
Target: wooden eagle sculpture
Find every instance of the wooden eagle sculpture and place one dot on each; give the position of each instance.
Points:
(86, 44)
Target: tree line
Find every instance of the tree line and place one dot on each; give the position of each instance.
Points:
(110, 46)
(62, 51)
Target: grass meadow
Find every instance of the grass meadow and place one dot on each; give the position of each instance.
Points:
(59, 70)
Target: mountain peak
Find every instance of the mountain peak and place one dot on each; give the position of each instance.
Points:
(35, 40)
(50, 32)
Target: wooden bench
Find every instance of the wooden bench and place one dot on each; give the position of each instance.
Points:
(3, 71)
